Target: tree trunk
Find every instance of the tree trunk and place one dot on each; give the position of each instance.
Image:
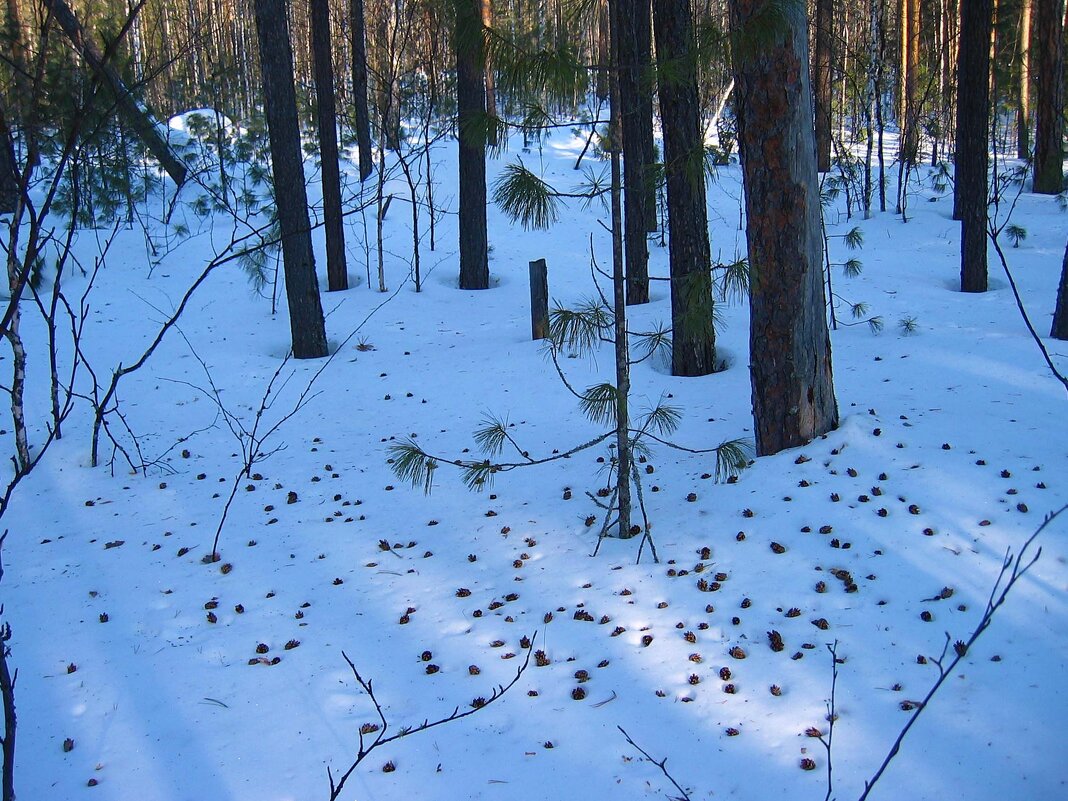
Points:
(135, 114)
(604, 53)
(1049, 105)
(971, 161)
(491, 91)
(291, 199)
(632, 62)
(471, 131)
(1060, 313)
(910, 68)
(790, 349)
(337, 275)
(9, 176)
(25, 111)
(693, 339)
(822, 82)
(359, 88)
(621, 342)
(1023, 97)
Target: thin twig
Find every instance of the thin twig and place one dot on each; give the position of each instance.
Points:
(662, 764)
(1013, 568)
(364, 749)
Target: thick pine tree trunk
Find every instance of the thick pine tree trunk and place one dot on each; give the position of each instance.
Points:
(790, 349)
(1049, 106)
(359, 87)
(1060, 313)
(821, 79)
(693, 339)
(471, 130)
(972, 159)
(337, 275)
(291, 199)
(632, 53)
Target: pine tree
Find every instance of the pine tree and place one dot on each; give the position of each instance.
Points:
(326, 110)
(280, 103)
(971, 161)
(1049, 105)
(358, 44)
(471, 131)
(693, 340)
(790, 349)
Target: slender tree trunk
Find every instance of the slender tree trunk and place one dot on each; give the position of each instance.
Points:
(910, 67)
(619, 301)
(693, 339)
(822, 82)
(870, 99)
(7, 698)
(1023, 97)
(790, 349)
(972, 159)
(1060, 313)
(471, 124)
(359, 88)
(25, 106)
(9, 175)
(632, 62)
(280, 103)
(604, 52)
(337, 274)
(491, 90)
(1049, 106)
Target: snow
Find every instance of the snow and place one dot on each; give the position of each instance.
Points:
(960, 420)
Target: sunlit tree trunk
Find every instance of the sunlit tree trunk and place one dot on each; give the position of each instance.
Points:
(790, 349)
(1023, 97)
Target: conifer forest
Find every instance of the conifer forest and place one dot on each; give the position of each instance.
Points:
(525, 399)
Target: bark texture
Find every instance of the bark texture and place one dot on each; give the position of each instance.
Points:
(337, 276)
(280, 103)
(471, 124)
(693, 339)
(790, 349)
(972, 160)
(1049, 101)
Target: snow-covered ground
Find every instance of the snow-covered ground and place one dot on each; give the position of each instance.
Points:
(953, 446)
